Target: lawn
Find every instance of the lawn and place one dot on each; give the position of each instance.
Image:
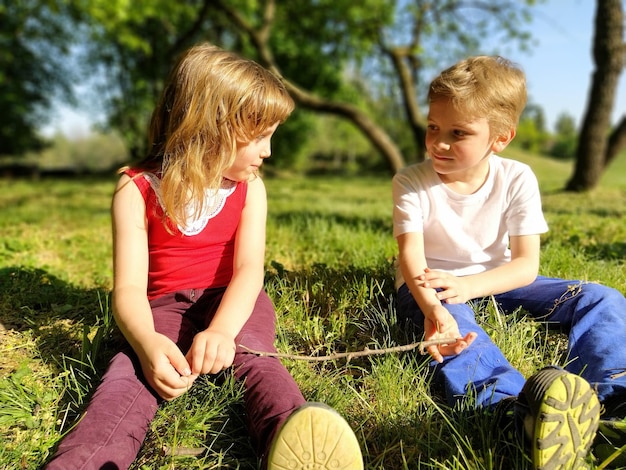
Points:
(330, 273)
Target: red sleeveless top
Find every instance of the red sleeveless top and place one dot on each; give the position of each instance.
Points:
(199, 255)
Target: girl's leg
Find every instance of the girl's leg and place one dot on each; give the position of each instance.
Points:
(284, 429)
(594, 317)
(481, 370)
(116, 420)
(114, 424)
(271, 393)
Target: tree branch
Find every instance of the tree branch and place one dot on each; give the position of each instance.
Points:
(377, 136)
(421, 345)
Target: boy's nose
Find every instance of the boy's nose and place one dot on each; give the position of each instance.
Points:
(442, 145)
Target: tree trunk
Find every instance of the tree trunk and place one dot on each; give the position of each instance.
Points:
(608, 54)
(617, 142)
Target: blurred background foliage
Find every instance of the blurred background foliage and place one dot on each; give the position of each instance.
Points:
(358, 71)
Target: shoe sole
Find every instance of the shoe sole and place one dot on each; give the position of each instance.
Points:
(315, 437)
(567, 412)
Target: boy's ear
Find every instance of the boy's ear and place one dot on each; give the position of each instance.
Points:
(503, 140)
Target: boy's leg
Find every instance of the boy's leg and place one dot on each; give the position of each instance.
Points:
(594, 317)
(557, 411)
(481, 370)
(559, 415)
(114, 425)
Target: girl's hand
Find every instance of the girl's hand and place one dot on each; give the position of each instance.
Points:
(440, 324)
(211, 352)
(451, 289)
(165, 367)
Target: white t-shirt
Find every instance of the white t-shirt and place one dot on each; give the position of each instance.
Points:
(467, 234)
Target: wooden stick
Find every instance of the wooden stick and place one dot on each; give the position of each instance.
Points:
(421, 345)
(182, 451)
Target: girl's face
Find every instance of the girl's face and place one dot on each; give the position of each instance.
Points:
(458, 146)
(250, 156)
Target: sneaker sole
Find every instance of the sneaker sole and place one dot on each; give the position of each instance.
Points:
(315, 437)
(567, 412)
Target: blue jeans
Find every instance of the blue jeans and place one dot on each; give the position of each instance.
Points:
(592, 315)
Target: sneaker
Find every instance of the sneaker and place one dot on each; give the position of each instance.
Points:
(609, 446)
(315, 437)
(561, 419)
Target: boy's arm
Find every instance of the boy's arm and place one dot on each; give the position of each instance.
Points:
(214, 348)
(412, 265)
(519, 272)
(438, 323)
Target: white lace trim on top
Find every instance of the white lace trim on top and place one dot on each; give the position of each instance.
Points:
(213, 204)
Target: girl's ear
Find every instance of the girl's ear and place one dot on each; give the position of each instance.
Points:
(502, 141)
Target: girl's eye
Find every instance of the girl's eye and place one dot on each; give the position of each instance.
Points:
(431, 127)
(460, 133)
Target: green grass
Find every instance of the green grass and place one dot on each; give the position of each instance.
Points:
(330, 273)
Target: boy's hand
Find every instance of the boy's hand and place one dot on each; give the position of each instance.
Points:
(165, 367)
(451, 289)
(440, 324)
(211, 352)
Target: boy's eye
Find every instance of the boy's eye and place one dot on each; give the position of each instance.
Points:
(460, 133)
(431, 127)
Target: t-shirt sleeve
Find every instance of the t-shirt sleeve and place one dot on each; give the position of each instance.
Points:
(525, 213)
(407, 211)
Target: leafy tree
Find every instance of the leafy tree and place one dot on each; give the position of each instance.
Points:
(34, 41)
(531, 131)
(406, 39)
(565, 139)
(390, 45)
(596, 146)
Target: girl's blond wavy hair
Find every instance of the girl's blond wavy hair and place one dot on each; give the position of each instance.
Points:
(212, 99)
(490, 87)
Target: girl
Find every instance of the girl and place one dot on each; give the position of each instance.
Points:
(188, 243)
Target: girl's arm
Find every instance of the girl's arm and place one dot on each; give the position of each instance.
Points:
(163, 364)
(214, 348)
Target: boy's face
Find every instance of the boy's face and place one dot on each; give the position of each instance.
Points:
(458, 145)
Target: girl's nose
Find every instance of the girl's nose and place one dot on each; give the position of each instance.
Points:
(266, 152)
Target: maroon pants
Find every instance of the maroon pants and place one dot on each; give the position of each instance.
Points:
(117, 418)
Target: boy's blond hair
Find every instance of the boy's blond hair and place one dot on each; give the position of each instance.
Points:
(484, 86)
(212, 99)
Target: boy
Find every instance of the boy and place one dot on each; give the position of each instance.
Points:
(468, 224)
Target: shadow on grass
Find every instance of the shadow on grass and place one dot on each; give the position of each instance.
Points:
(73, 329)
(58, 313)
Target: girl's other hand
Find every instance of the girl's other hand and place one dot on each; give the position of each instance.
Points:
(211, 352)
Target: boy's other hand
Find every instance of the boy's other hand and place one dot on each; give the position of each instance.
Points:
(450, 289)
